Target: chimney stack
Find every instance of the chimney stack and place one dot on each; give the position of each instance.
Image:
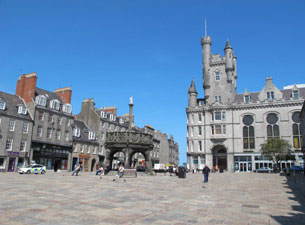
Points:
(65, 94)
(26, 86)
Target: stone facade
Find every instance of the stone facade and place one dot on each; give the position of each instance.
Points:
(302, 118)
(53, 121)
(225, 129)
(16, 126)
(85, 147)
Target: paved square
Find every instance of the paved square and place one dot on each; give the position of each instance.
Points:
(228, 198)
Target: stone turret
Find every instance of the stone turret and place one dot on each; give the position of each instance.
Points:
(192, 95)
(206, 43)
(229, 61)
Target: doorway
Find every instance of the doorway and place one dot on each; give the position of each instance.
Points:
(11, 165)
(220, 158)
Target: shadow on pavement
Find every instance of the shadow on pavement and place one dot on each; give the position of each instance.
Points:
(296, 184)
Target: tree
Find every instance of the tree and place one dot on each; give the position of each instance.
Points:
(277, 149)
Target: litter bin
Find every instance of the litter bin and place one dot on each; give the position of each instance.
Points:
(181, 172)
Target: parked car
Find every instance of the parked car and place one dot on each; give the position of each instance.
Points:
(34, 168)
(297, 169)
(263, 170)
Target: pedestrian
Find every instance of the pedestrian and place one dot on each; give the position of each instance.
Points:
(76, 170)
(100, 170)
(206, 171)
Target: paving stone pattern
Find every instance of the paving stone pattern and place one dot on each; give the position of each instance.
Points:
(228, 198)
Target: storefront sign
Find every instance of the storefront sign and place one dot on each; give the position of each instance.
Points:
(13, 154)
(84, 156)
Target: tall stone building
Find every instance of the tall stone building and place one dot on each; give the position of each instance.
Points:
(225, 129)
(16, 126)
(53, 121)
(85, 147)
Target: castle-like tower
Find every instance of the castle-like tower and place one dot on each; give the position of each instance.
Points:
(225, 130)
(219, 73)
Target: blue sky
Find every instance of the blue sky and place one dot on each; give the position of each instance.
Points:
(111, 50)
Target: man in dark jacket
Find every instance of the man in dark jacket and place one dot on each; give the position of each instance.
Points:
(206, 171)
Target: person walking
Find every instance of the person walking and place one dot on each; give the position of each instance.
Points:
(76, 170)
(206, 171)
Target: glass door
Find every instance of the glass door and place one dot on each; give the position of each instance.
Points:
(243, 166)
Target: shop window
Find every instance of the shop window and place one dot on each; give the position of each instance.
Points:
(2, 163)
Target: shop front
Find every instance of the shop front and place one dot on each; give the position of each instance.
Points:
(12, 158)
(84, 160)
(243, 163)
(54, 157)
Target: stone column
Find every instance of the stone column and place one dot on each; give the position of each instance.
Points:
(127, 158)
(147, 162)
(199, 162)
(209, 160)
(230, 161)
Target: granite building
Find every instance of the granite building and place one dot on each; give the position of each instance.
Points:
(225, 129)
(16, 126)
(85, 147)
(101, 121)
(53, 121)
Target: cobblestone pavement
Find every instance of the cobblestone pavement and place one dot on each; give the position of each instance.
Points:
(228, 198)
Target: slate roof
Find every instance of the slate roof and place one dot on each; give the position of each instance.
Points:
(287, 94)
(84, 131)
(117, 118)
(11, 106)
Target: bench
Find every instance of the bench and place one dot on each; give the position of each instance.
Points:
(130, 173)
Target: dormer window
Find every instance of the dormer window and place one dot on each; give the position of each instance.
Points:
(55, 104)
(295, 94)
(103, 114)
(270, 95)
(22, 109)
(2, 104)
(112, 117)
(76, 132)
(41, 100)
(67, 108)
(121, 121)
(91, 135)
(247, 98)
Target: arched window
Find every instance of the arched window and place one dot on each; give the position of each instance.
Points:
(248, 132)
(273, 130)
(296, 130)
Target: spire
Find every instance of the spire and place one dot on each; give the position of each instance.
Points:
(192, 88)
(205, 27)
(228, 45)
